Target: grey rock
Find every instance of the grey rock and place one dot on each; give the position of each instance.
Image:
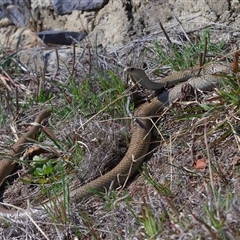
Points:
(15, 15)
(67, 6)
(61, 37)
(38, 60)
(23, 7)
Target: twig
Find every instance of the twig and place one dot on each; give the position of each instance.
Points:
(203, 57)
(127, 108)
(74, 58)
(165, 33)
(57, 68)
(17, 100)
(183, 30)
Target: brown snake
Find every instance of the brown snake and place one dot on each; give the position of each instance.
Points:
(141, 137)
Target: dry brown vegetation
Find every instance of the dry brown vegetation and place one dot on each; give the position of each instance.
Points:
(172, 198)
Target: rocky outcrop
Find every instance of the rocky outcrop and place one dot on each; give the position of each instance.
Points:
(107, 24)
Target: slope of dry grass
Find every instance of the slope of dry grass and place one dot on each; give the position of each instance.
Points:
(189, 185)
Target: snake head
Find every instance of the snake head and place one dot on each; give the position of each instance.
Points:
(129, 70)
(139, 76)
(137, 73)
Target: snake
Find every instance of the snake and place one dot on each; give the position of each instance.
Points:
(8, 164)
(204, 78)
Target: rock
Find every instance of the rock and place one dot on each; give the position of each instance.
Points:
(77, 21)
(40, 4)
(218, 7)
(17, 38)
(116, 23)
(5, 22)
(23, 7)
(111, 26)
(61, 37)
(39, 60)
(63, 6)
(16, 16)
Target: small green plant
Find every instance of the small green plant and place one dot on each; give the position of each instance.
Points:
(230, 91)
(59, 197)
(150, 222)
(42, 171)
(94, 93)
(43, 97)
(186, 56)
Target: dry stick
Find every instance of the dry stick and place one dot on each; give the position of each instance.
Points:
(165, 33)
(183, 30)
(4, 82)
(8, 76)
(41, 80)
(9, 106)
(17, 101)
(90, 58)
(39, 88)
(57, 59)
(74, 59)
(205, 52)
(203, 57)
(127, 108)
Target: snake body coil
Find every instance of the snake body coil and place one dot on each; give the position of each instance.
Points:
(141, 136)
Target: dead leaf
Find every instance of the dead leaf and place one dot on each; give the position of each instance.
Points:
(201, 164)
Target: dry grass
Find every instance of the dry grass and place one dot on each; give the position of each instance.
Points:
(169, 199)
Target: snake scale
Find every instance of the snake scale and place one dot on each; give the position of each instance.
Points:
(203, 78)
